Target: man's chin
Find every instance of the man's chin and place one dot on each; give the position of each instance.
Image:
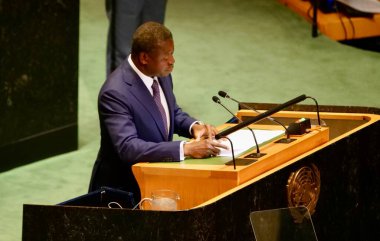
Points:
(165, 74)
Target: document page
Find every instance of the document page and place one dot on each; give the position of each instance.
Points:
(242, 140)
(366, 6)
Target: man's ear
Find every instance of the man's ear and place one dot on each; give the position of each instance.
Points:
(144, 58)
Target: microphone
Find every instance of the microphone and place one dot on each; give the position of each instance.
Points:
(217, 100)
(225, 95)
(260, 116)
(253, 155)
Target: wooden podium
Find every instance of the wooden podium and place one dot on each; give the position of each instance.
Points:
(197, 181)
(335, 176)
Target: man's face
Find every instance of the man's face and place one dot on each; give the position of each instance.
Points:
(160, 62)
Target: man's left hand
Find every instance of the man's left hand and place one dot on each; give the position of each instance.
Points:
(204, 130)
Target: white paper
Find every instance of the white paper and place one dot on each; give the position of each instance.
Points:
(367, 6)
(242, 140)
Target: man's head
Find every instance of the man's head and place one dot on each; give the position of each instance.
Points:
(152, 49)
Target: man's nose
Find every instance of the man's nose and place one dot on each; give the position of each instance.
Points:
(171, 60)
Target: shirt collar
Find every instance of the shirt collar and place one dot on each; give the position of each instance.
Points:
(148, 81)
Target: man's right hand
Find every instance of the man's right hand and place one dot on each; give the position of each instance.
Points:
(203, 148)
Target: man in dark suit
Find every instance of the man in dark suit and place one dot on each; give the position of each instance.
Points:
(138, 114)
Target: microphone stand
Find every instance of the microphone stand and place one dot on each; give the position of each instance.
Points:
(260, 116)
(225, 95)
(314, 25)
(232, 149)
(287, 130)
(258, 154)
(316, 103)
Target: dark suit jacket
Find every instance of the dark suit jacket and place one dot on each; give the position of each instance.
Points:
(132, 129)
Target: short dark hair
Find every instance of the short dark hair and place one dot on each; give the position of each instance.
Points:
(147, 36)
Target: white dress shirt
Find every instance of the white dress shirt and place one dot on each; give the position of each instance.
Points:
(148, 81)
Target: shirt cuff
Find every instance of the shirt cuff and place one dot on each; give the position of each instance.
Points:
(181, 151)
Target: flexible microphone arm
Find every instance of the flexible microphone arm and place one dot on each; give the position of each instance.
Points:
(233, 153)
(316, 103)
(225, 95)
(217, 100)
(260, 116)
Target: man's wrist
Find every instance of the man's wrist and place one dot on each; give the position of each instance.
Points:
(194, 123)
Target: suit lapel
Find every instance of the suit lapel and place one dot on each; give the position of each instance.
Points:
(142, 94)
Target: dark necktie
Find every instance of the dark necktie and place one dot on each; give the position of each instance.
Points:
(157, 99)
